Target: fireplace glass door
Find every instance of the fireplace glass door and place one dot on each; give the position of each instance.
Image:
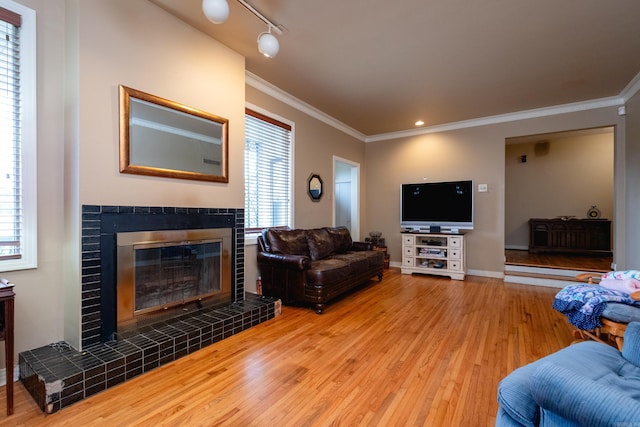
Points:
(164, 273)
(175, 274)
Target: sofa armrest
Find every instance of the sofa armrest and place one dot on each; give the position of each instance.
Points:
(361, 246)
(581, 399)
(294, 262)
(515, 400)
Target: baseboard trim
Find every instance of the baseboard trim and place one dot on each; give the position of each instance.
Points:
(537, 281)
(485, 273)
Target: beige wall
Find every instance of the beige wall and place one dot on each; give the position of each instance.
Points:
(632, 200)
(476, 153)
(86, 48)
(315, 145)
(39, 305)
(563, 178)
(166, 58)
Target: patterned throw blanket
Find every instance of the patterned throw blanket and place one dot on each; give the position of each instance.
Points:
(583, 304)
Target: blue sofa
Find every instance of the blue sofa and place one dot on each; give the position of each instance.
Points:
(585, 384)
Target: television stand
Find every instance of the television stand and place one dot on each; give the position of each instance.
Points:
(440, 254)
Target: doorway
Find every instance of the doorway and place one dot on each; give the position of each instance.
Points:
(346, 203)
(557, 175)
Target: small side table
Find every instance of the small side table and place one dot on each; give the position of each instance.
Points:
(7, 297)
(387, 257)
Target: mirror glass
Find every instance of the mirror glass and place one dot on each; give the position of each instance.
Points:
(315, 187)
(163, 138)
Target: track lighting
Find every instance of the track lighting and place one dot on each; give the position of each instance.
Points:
(268, 44)
(216, 11)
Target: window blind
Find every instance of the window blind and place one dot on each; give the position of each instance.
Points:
(11, 227)
(267, 166)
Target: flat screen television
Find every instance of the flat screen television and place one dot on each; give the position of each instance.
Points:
(437, 206)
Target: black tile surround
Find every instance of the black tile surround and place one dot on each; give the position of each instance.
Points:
(99, 227)
(58, 375)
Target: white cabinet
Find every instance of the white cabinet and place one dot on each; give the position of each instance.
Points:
(433, 253)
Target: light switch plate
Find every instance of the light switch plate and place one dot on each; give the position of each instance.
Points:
(483, 188)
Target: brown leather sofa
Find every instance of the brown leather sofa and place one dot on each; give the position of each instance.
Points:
(314, 266)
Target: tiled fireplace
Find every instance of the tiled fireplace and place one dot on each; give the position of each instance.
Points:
(58, 375)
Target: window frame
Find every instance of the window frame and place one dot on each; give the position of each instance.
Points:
(28, 143)
(277, 121)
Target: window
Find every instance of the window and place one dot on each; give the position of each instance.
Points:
(18, 170)
(267, 172)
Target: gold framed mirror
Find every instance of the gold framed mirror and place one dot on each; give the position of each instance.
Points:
(162, 138)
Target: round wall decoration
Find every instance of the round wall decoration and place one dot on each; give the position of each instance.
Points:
(594, 213)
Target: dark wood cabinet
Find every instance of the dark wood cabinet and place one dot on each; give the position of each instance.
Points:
(570, 235)
(6, 334)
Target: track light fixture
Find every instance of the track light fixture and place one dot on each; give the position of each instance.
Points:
(268, 44)
(217, 11)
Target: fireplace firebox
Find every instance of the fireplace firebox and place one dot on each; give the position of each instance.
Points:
(163, 273)
(101, 227)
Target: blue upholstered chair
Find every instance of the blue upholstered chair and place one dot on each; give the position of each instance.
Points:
(585, 384)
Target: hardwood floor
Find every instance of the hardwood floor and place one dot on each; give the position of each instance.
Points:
(594, 263)
(410, 350)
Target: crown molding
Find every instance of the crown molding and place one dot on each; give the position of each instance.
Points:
(269, 89)
(277, 93)
(631, 89)
(502, 118)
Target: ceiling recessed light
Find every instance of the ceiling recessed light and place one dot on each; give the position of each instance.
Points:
(419, 123)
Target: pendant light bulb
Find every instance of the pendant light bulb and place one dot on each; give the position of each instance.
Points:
(268, 44)
(216, 11)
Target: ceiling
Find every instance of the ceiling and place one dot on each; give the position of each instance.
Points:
(377, 66)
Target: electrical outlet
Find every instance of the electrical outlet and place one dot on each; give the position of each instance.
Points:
(483, 188)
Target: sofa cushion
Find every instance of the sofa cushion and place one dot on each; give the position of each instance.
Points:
(581, 400)
(620, 312)
(631, 347)
(341, 238)
(375, 258)
(601, 363)
(293, 242)
(358, 261)
(320, 243)
(327, 272)
(590, 360)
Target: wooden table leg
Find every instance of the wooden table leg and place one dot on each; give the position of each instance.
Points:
(8, 351)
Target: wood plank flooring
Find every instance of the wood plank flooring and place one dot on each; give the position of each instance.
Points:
(410, 350)
(593, 263)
